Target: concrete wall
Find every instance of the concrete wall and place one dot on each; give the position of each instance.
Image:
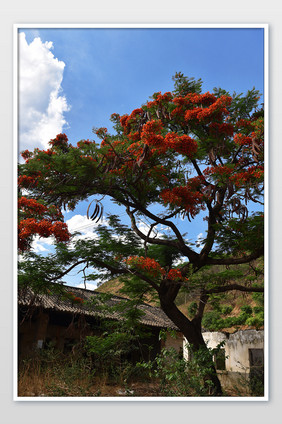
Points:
(236, 377)
(175, 342)
(236, 347)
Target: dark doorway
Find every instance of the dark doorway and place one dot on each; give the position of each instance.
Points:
(256, 357)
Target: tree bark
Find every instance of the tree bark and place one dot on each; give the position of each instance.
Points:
(192, 332)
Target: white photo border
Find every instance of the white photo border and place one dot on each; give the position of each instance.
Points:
(16, 28)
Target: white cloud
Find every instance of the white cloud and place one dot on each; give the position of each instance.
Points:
(199, 241)
(157, 231)
(144, 228)
(41, 244)
(78, 223)
(82, 224)
(89, 286)
(41, 103)
(180, 261)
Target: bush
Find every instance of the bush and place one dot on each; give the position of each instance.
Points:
(192, 309)
(247, 309)
(212, 321)
(179, 377)
(109, 353)
(226, 309)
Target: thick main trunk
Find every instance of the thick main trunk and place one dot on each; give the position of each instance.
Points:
(192, 332)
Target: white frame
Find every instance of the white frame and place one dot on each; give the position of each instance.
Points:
(16, 28)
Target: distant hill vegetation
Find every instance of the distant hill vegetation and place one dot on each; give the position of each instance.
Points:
(228, 311)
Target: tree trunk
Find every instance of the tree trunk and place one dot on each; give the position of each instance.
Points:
(192, 332)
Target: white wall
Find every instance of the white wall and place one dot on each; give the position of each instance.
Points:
(236, 347)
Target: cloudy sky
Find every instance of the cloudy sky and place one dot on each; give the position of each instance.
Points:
(73, 79)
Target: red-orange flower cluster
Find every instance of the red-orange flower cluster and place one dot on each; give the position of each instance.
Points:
(222, 170)
(174, 275)
(83, 143)
(124, 123)
(243, 123)
(183, 196)
(253, 173)
(73, 298)
(160, 99)
(243, 140)
(221, 129)
(154, 268)
(181, 143)
(60, 141)
(147, 264)
(215, 111)
(101, 132)
(28, 181)
(44, 228)
(151, 134)
(31, 206)
(26, 154)
(38, 219)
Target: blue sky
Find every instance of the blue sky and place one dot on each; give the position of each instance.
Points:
(73, 79)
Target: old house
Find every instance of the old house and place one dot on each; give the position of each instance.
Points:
(65, 319)
(239, 360)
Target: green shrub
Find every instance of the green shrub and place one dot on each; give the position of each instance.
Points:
(212, 321)
(247, 309)
(226, 309)
(192, 309)
(179, 377)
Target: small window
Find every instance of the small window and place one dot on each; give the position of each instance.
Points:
(219, 359)
(39, 344)
(256, 357)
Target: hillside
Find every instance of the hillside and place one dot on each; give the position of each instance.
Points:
(228, 311)
(115, 287)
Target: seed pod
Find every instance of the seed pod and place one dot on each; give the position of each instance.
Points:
(95, 213)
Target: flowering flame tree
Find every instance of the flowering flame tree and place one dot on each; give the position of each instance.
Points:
(193, 154)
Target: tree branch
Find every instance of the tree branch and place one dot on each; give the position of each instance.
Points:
(180, 244)
(236, 261)
(229, 287)
(62, 274)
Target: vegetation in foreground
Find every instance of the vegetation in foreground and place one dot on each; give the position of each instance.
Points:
(50, 373)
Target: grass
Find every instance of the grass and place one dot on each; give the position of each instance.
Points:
(52, 374)
(58, 375)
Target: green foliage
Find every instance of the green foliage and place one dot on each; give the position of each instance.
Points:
(214, 321)
(184, 85)
(226, 309)
(240, 236)
(246, 309)
(179, 377)
(165, 255)
(257, 320)
(109, 349)
(258, 298)
(113, 351)
(192, 309)
(137, 289)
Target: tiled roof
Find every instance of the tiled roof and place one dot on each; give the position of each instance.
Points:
(153, 316)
